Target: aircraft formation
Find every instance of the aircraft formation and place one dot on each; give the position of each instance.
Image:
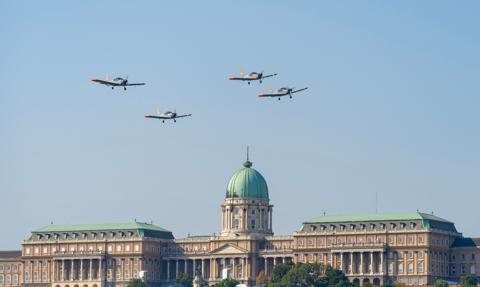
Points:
(168, 115)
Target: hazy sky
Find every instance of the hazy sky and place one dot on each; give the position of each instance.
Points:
(392, 109)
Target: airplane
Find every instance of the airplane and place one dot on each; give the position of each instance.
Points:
(253, 76)
(168, 115)
(117, 82)
(284, 91)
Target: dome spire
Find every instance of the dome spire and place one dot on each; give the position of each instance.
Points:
(247, 163)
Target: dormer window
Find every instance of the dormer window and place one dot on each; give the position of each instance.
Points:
(74, 235)
(413, 225)
(130, 234)
(65, 235)
(93, 235)
(122, 234)
(322, 227)
(362, 226)
(48, 236)
(352, 226)
(342, 227)
(112, 234)
(39, 236)
(382, 226)
(393, 226)
(313, 227)
(332, 227)
(372, 226)
(402, 225)
(84, 235)
(56, 236)
(102, 234)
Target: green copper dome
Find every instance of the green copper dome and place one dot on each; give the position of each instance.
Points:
(247, 183)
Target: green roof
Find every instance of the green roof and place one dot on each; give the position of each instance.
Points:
(377, 217)
(99, 227)
(247, 183)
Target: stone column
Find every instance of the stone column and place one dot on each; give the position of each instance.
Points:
(100, 270)
(194, 267)
(341, 261)
(54, 271)
(351, 263)
(244, 268)
(271, 222)
(266, 266)
(71, 269)
(168, 270)
(234, 268)
(203, 268)
(371, 262)
(90, 270)
(177, 267)
(382, 263)
(185, 267)
(361, 263)
(80, 277)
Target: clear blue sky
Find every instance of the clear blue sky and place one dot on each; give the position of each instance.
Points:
(393, 109)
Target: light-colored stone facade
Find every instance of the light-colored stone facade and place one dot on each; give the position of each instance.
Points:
(413, 248)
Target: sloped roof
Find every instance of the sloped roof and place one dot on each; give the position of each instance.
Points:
(377, 217)
(100, 227)
(466, 242)
(10, 255)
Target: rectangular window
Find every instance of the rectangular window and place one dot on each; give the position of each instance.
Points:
(26, 276)
(310, 242)
(15, 279)
(35, 276)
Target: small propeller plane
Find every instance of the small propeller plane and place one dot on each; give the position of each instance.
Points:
(117, 82)
(253, 76)
(168, 115)
(284, 91)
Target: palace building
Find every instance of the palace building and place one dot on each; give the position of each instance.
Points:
(414, 248)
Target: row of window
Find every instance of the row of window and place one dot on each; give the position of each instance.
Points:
(9, 279)
(8, 267)
(369, 240)
(362, 226)
(85, 235)
(117, 247)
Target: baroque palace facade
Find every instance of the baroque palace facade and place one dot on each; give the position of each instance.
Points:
(414, 248)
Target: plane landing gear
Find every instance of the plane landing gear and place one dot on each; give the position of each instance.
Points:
(112, 88)
(279, 99)
(174, 120)
(290, 96)
(124, 88)
(260, 81)
(248, 83)
(163, 121)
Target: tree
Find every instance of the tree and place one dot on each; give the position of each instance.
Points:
(261, 278)
(468, 281)
(136, 282)
(184, 280)
(229, 282)
(367, 284)
(440, 283)
(279, 271)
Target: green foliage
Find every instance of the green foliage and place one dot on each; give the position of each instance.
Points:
(440, 283)
(229, 282)
(400, 284)
(388, 285)
(367, 284)
(135, 282)
(279, 271)
(468, 281)
(308, 275)
(184, 280)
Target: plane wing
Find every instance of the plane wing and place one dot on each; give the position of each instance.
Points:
(135, 84)
(299, 90)
(268, 76)
(156, 117)
(237, 78)
(182, 116)
(104, 82)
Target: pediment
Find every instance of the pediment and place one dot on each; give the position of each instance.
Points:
(229, 249)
